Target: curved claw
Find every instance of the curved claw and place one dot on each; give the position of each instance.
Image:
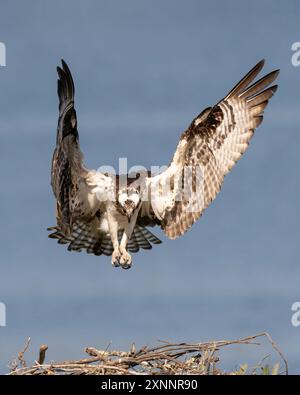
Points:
(125, 259)
(115, 258)
(126, 267)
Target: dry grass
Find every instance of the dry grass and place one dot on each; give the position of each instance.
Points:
(166, 358)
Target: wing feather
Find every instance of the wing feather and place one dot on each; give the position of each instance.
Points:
(67, 171)
(73, 185)
(209, 148)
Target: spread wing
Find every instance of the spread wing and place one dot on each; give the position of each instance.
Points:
(206, 152)
(68, 175)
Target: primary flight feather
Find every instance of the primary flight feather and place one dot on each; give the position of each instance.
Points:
(104, 214)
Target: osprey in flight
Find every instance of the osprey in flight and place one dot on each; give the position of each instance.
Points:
(109, 214)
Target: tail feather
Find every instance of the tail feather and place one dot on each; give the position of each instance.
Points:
(141, 239)
(149, 235)
(85, 236)
(133, 245)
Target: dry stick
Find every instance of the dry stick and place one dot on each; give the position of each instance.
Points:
(246, 340)
(159, 352)
(81, 361)
(130, 361)
(88, 367)
(42, 354)
(274, 345)
(21, 353)
(163, 357)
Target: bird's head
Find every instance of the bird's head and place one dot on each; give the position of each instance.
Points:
(128, 201)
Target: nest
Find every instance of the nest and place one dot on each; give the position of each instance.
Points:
(165, 358)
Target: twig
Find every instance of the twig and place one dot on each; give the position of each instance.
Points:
(168, 358)
(42, 354)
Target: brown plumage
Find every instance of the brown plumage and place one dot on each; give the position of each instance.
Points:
(93, 209)
(214, 142)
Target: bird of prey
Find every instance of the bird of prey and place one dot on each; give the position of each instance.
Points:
(103, 214)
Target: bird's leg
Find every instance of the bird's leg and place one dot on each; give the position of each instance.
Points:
(113, 230)
(125, 260)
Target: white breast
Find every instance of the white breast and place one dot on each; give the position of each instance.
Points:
(121, 219)
(103, 226)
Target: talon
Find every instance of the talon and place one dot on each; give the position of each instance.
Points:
(125, 259)
(115, 259)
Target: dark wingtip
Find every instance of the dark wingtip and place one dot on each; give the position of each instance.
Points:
(66, 87)
(64, 69)
(259, 66)
(247, 79)
(64, 65)
(59, 71)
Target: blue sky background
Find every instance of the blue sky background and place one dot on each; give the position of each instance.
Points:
(142, 71)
